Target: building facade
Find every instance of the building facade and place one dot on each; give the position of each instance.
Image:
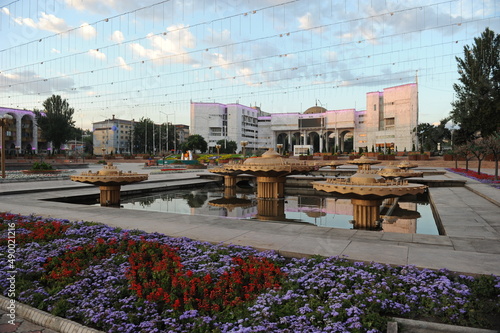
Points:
(387, 124)
(22, 133)
(231, 122)
(112, 136)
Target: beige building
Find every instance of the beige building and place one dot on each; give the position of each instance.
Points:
(388, 123)
(112, 136)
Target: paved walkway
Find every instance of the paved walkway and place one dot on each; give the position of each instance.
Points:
(469, 215)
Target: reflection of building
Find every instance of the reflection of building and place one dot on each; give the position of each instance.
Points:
(387, 122)
(22, 134)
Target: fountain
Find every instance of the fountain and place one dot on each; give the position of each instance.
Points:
(367, 188)
(271, 170)
(109, 180)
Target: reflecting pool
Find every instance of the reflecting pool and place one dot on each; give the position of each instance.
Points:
(402, 215)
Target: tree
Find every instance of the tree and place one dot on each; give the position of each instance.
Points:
(227, 147)
(492, 144)
(478, 93)
(195, 142)
(479, 150)
(464, 152)
(143, 136)
(56, 121)
(430, 135)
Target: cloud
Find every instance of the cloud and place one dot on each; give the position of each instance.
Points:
(6, 11)
(29, 82)
(305, 22)
(123, 64)
(48, 22)
(117, 36)
(55, 51)
(97, 54)
(87, 31)
(175, 41)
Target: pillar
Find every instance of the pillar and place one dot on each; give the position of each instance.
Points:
(229, 181)
(110, 195)
(271, 209)
(366, 214)
(271, 187)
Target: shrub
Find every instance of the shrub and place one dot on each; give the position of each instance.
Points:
(41, 166)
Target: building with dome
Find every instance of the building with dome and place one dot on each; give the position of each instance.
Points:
(387, 124)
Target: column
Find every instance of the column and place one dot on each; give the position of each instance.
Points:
(271, 187)
(110, 195)
(34, 143)
(366, 214)
(18, 130)
(321, 141)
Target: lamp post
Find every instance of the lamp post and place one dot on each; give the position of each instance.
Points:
(279, 146)
(243, 145)
(168, 114)
(218, 149)
(4, 121)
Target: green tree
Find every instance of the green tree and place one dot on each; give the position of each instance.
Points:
(227, 147)
(143, 136)
(478, 93)
(195, 142)
(492, 144)
(56, 121)
(430, 135)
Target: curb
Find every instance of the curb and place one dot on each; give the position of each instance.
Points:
(409, 325)
(493, 201)
(45, 319)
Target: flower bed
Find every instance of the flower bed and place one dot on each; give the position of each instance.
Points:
(483, 177)
(132, 281)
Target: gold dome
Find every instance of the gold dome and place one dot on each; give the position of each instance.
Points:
(315, 109)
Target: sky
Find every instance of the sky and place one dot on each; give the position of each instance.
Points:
(151, 58)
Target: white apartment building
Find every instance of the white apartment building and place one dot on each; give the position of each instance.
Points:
(231, 122)
(388, 123)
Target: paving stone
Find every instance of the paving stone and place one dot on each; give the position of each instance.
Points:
(377, 252)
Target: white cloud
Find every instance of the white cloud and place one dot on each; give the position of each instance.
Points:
(46, 22)
(305, 21)
(87, 31)
(6, 11)
(123, 64)
(55, 51)
(175, 41)
(117, 36)
(97, 54)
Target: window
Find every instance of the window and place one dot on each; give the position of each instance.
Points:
(374, 107)
(389, 121)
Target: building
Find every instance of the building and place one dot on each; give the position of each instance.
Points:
(115, 136)
(386, 124)
(112, 136)
(22, 135)
(231, 122)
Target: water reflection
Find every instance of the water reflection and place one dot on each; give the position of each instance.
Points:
(301, 206)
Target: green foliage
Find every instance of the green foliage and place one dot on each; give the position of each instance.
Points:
(227, 147)
(56, 121)
(478, 94)
(196, 142)
(41, 166)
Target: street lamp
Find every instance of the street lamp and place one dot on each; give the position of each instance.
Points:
(4, 121)
(168, 114)
(279, 146)
(218, 148)
(243, 145)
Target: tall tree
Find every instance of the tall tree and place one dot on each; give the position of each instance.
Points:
(430, 135)
(56, 121)
(143, 136)
(478, 93)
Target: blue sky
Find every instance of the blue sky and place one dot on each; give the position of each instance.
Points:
(150, 58)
